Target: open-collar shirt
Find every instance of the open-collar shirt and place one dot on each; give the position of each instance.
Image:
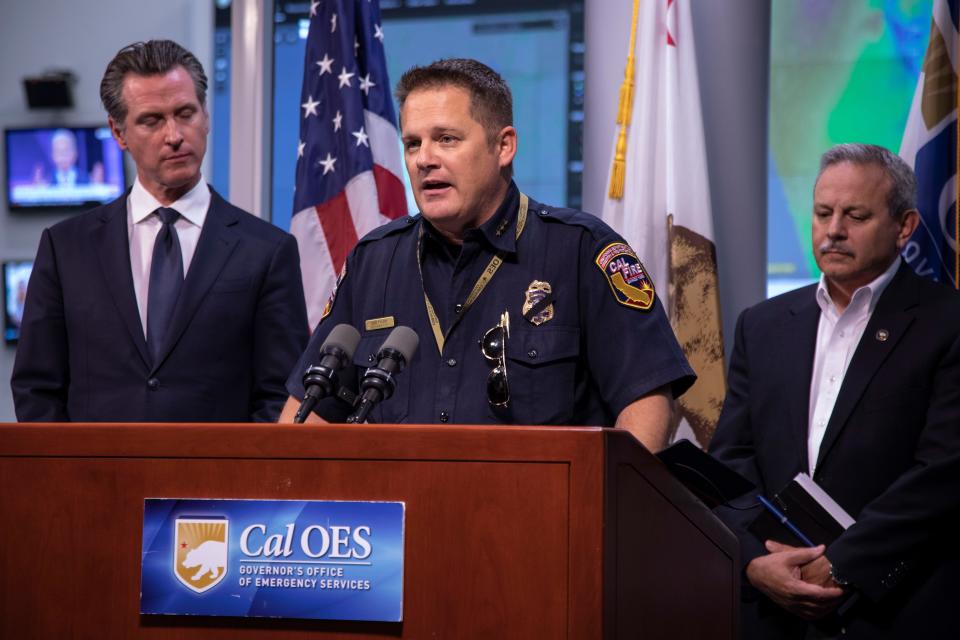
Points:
(838, 335)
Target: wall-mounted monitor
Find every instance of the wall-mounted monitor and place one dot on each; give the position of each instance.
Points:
(62, 167)
(16, 275)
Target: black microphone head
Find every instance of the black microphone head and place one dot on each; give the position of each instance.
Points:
(343, 337)
(402, 340)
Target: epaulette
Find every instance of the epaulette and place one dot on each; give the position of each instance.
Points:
(401, 224)
(593, 224)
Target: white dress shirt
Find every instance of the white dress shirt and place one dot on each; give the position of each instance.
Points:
(143, 225)
(66, 178)
(838, 335)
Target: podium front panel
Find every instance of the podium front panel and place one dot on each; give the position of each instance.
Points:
(503, 525)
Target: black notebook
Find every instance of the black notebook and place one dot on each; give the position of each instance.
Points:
(801, 514)
(706, 477)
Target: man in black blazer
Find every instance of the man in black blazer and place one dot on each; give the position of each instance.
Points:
(168, 304)
(855, 381)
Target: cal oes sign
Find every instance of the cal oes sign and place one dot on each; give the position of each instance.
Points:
(626, 276)
(327, 560)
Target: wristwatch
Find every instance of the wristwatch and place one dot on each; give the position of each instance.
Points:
(836, 578)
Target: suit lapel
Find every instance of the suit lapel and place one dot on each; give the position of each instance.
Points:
(800, 342)
(892, 316)
(112, 243)
(217, 241)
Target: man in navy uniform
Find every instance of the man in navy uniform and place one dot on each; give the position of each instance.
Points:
(586, 340)
(168, 304)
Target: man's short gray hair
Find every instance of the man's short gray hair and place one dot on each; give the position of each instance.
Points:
(902, 196)
(64, 134)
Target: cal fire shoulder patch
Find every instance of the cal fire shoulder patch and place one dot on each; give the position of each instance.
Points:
(333, 294)
(628, 279)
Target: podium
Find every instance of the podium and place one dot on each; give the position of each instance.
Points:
(511, 532)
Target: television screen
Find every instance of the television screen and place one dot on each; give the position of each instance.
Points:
(62, 167)
(16, 275)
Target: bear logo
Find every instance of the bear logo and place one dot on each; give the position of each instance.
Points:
(200, 552)
(210, 556)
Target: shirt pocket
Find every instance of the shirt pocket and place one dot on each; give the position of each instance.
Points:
(541, 374)
(395, 408)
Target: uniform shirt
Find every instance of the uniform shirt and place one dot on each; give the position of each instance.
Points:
(583, 365)
(838, 335)
(143, 225)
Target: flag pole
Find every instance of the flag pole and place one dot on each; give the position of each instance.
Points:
(619, 172)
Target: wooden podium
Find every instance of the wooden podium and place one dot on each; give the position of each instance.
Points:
(511, 532)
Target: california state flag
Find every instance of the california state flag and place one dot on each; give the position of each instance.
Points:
(663, 210)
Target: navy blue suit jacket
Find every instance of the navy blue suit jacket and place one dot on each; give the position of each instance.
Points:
(239, 325)
(890, 455)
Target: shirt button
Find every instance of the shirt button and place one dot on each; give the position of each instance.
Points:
(833, 378)
(371, 358)
(532, 353)
(452, 362)
(458, 308)
(153, 384)
(444, 416)
(841, 334)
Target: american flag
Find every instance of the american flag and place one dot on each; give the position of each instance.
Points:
(348, 157)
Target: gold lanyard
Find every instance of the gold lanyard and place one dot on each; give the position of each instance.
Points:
(481, 283)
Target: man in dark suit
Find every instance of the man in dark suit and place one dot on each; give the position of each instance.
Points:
(63, 153)
(168, 304)
(855, 381)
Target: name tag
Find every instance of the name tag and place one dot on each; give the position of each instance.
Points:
(323, 560)
(373, 324)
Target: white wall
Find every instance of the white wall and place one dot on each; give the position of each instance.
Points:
(81, 37)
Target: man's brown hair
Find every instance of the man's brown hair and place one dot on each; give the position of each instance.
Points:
(491, 103)
(151, 58)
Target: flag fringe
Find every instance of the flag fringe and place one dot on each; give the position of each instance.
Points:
(618, 171)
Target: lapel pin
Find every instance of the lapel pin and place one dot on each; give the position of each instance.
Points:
(882, 335)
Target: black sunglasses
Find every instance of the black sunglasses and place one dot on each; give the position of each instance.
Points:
(493, 345)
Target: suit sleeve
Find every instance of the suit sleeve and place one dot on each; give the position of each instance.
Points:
(280, 331)
(878, 551)
(41, 370)
(733, 444)
(339, 312)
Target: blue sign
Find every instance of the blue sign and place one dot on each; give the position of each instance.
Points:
(273, 558)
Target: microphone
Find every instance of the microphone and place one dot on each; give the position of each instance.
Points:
(320, 381)
(378, 382)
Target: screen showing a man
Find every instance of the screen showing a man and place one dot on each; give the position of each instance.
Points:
(62, 167)
(64, 155)
(16, 275)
